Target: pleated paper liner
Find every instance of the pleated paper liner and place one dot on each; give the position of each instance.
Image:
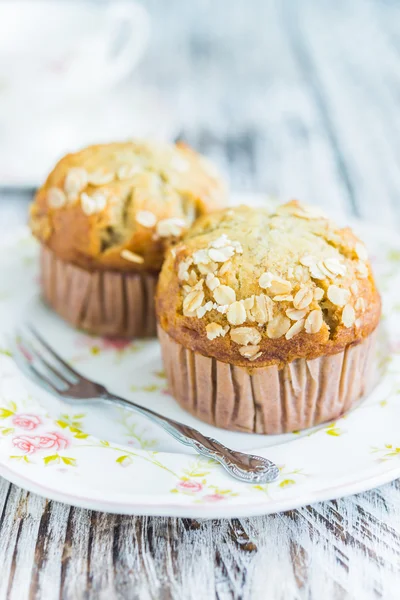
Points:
(106, 303)
(302, 394)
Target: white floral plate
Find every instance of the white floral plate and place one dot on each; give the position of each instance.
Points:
(110, 460)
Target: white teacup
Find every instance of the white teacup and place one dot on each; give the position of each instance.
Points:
(63, 50)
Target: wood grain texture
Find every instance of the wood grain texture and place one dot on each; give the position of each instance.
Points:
(293, 99)
(346, 548)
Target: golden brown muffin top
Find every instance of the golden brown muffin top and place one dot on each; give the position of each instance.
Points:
(117, 206)
(258, 287)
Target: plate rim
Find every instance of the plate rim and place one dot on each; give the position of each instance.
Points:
(209, 511)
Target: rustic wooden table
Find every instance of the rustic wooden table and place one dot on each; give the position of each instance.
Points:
(296, 99)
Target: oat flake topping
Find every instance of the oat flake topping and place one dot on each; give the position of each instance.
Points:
(139, 195)
(274, 275)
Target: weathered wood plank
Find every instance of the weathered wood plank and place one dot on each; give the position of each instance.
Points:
(74, 562)
(351, 67)
(14, 511)
(318, 551)
(50, 543)
(268, 132)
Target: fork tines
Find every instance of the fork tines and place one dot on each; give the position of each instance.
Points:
(41, 360)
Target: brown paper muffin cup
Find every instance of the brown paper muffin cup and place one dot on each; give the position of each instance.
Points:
(268, 400)
(107, 303)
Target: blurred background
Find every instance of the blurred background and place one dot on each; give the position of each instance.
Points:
(290, 98)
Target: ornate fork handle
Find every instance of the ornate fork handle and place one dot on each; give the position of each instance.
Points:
(245, 467)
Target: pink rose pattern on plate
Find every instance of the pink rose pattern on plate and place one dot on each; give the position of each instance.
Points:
(26, 443)
(98, 345)
(53, 441)
(28, 422)
(48, 441)
(213, 497)
(189, 486)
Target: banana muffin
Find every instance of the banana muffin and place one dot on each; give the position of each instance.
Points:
(104, 218)
(267, 318)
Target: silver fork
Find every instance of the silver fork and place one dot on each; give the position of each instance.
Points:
(39, 361)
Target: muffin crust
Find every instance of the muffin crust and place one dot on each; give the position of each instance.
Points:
(256, 288)
(117, 206)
